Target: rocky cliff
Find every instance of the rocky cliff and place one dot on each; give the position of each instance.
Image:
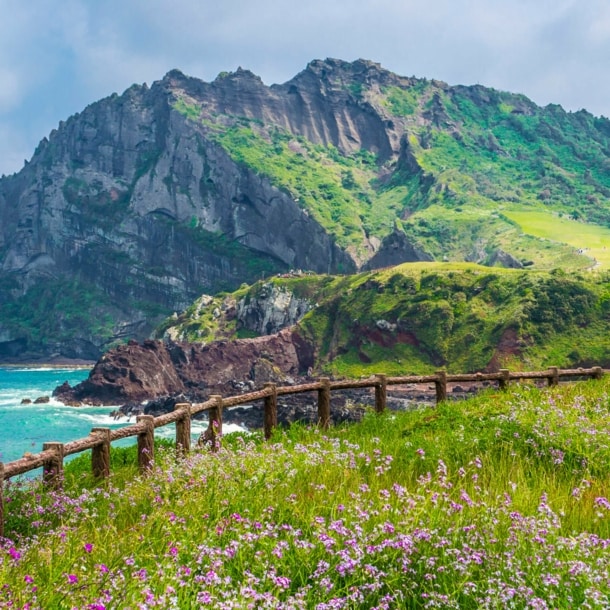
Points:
(134, 207)
(137, 372)
(139, 210)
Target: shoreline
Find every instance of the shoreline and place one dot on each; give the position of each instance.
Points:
(63, 364)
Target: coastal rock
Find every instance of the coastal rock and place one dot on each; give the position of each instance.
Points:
(347, 406)
(136, 372)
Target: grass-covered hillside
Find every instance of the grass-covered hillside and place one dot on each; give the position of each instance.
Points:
(500, 501)
(416, 318)
(144, 200)
(459, 163)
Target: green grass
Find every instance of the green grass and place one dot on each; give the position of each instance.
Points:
(417, 317)
(491, 502)
(593, 239)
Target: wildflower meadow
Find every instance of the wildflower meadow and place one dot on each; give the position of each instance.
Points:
(500, 501)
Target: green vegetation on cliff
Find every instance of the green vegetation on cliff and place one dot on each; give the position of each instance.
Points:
(418, 317)
(467, 155)
(85, 324)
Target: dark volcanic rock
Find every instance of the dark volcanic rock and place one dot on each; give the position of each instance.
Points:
(395, 249)
(347, 406)
(138, 372)
(303, 408)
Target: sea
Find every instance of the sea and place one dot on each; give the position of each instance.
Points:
(25, 427)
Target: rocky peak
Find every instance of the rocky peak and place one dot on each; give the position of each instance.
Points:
(338, 71)
(239, 77)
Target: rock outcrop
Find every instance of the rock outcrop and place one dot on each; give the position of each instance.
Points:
(137, 372)
(395, 249)
(271, 310)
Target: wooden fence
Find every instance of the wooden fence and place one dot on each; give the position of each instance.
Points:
(51, 458)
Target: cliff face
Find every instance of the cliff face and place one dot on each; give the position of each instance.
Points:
(142, 211)
(137, 372)
(142, 202)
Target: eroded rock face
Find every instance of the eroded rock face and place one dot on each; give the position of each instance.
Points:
(504, 259)
(137, 372)
(129, 197)
(273, 309)
(395, 249)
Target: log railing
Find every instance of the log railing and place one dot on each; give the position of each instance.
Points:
(52, 456)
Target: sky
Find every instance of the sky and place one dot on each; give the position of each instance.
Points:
(58, 56)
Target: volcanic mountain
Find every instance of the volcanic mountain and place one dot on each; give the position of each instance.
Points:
(136, 206)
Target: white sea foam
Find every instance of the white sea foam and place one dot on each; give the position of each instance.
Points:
(44, 369)
(106, 420)
(25, 427)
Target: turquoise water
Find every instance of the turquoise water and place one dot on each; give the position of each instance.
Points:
(24, 428)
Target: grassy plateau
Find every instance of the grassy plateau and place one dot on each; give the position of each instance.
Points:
(592, 240)
(500, 501)
(417, 317)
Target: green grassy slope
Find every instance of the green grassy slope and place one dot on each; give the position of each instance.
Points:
(592, 240)
(417, 317)
(498, 501)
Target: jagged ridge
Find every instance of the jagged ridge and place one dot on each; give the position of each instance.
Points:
(134, 207)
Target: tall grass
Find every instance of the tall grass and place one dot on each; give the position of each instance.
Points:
(499, 501)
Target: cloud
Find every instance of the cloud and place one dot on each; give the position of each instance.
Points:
(58, 56)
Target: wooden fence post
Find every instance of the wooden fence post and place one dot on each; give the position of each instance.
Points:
(1, 500)
(598, 372)
(503, 381)
(100, 454)
(270, 413)
(381, 393)
(324, 403)
(553, 378)
(146, 443)
(183, 429)
(215, 419)
(53, 468)
(441, 386)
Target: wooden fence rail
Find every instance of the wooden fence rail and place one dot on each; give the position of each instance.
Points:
(52, 456)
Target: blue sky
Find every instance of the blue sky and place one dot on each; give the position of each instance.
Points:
(57, 56)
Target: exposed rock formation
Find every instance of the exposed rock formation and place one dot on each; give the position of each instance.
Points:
(136, 372)
(503, 259)
(273, 309)
(395, 249)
